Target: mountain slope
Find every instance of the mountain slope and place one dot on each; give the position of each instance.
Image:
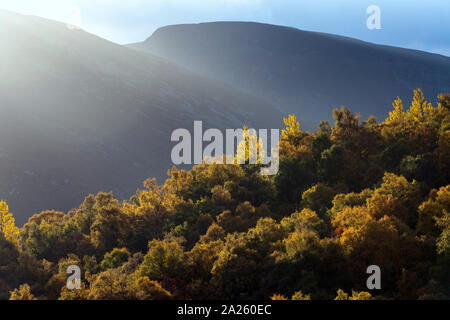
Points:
(79, 114)
(304, 72)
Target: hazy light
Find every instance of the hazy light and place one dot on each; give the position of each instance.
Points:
(414, 24)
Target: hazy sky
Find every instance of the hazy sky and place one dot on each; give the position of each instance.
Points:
(419, 24)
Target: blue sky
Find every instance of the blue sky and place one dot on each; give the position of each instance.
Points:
(417, 24)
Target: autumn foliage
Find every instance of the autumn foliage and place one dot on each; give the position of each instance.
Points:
(351, 195)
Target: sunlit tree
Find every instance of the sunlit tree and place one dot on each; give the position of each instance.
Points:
(7, 224)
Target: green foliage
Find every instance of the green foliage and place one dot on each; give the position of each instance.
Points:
(163, 259)
(424, 168)
(115, 258)
(443, 244)
(306, 219)
(109, 228)
(293, 178)
(331, 164)
(318, 198)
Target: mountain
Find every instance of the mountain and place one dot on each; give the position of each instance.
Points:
(79, 114)
(306, 73)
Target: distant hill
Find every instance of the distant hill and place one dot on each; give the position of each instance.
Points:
(307, 73)
(80, 114)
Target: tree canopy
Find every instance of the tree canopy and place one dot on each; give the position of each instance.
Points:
(348, 196)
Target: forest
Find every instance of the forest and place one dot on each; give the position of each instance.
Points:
(353, 194)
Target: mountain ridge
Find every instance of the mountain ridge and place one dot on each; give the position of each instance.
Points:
(326, 34)
(288, 66)
(80, 114)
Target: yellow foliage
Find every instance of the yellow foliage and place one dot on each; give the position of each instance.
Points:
(341, 295)
(352, 217)
(420, 109)
(292, 127)
(277, 296)
(351, 237)
(363, 295)
(398, 114)
(251, 149)
(23, 293)
(300, 296)
(432, 209)
(380, 205)
(298, 244)
(7, 224)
